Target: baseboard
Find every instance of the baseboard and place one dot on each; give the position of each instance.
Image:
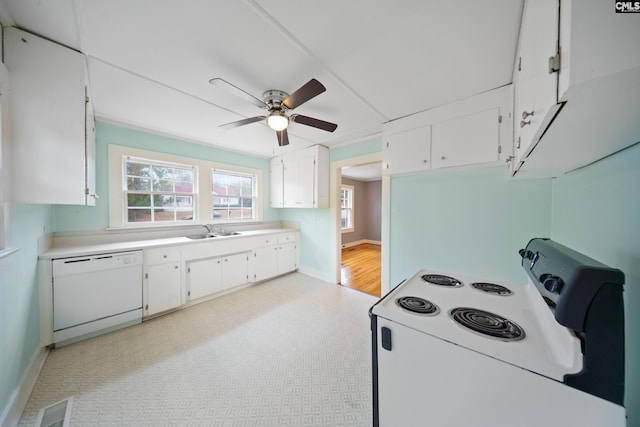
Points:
(360, 242)
(18, 401)
(322, 275)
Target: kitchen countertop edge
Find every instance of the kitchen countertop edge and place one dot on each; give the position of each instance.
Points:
(102, 248)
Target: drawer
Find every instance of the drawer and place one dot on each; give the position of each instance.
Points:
(161, 256)
(287, 238)
(266, 241)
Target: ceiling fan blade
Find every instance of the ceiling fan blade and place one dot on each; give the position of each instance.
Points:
(316, 123)
(283, 137)
(311, 89)
(242, 122)
(223, 84)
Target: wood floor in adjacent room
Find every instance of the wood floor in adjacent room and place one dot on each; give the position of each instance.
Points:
(360, 268)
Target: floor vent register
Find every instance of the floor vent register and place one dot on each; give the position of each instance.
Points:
(56, 415)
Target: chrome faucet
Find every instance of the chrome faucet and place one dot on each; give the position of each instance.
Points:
(209, 227)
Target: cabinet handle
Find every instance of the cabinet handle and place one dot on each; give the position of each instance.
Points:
(526, 114)
(424, 161)
(95, 196)
(175, 267)
(509, 159)
(523, 123)
(442, 158)
(164, 256)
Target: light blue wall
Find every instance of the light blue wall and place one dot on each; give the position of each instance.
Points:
(87, 218)
(468, 221)
(316, 239)
(19, 312)
(596, 210)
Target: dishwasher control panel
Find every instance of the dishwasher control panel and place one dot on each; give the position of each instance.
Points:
(96, 262)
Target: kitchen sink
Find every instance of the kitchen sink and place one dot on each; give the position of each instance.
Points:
(202, 236)
(211, 235)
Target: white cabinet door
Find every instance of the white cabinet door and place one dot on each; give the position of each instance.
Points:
(163, 287)
(299, 182)
(304, 176)
(407, 151)
(265, 262)
(535, 87)
(235, 270)
(48, 114)
(287, 255)
(204, 277)
(277, 181)
(472, 139)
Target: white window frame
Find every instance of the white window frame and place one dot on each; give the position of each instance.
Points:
(203, 212)
(352, 191)
(254, 194)
(193, 194)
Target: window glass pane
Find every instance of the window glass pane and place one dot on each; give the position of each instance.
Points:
(155, 187)
(139, 184)
(232, 196)
(139, 215)
(138, 169)
(138, 200)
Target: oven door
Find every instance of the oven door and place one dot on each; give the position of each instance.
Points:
(423, 380)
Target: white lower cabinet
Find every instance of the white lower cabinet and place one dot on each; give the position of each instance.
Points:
(162, 289)
(208, 276)
(275, 256)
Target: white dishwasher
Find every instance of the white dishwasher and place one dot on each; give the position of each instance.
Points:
(95, 294)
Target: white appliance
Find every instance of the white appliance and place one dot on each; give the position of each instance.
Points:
(453, 350)
(95, 294)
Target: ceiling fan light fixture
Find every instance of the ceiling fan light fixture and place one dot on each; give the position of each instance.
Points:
(277, 121)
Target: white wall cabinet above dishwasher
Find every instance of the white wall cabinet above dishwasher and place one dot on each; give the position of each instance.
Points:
(301, 180)
(585, 90)
(95, 294)
(162, 280)
(52, 122)
(472, 131)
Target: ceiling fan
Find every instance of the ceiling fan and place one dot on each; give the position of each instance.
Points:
(278, 103)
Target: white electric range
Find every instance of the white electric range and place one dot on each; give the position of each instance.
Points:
(453, 350)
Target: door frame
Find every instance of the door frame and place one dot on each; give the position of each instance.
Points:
(335, 183)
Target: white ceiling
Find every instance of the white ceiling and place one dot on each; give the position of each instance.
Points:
(150, 60)
(366, 172)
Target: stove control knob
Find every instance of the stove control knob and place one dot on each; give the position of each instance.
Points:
(525, 253)
(553, 284)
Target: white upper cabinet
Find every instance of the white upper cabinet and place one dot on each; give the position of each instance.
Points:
(468, 132)
(53, 141)
(300, 179)
(407, 150)
(588, 109)
(535, 76)
(276, 179)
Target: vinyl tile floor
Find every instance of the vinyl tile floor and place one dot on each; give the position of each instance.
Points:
(293, 351)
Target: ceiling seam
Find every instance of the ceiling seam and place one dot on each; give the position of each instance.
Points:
(275, 24)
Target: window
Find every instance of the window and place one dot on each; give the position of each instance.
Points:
(234, 195)
(158, 191)
(346, 205)
(152, 189)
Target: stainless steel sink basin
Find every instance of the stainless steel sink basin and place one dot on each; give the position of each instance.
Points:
(228, 233)
(202, 236)
(212, 235)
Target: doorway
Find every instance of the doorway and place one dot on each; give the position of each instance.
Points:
(360, 226)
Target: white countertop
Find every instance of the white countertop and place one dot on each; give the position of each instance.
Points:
(81, 250)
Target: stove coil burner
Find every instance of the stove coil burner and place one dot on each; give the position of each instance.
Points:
(438, 279)
(418, 305)
(492, 288)
(488, 324)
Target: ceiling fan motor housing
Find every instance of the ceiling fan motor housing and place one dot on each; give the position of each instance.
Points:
(273, 98)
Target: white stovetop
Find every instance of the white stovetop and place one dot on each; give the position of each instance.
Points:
(548, 348)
